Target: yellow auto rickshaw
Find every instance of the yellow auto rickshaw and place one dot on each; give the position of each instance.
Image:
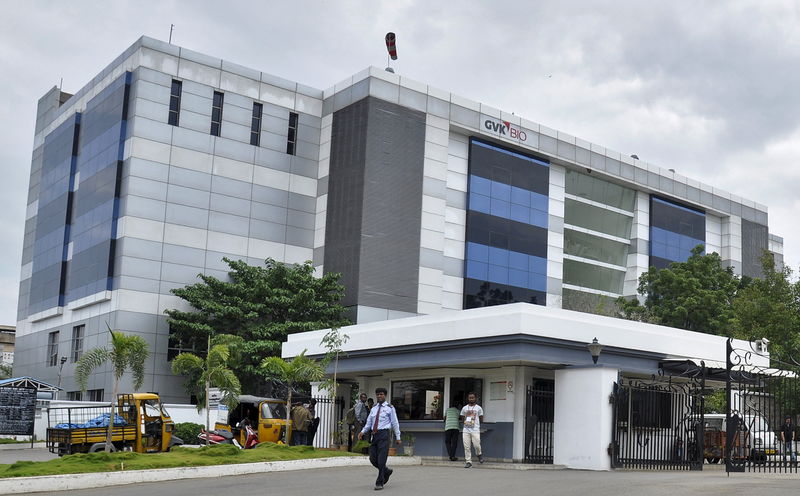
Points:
(269, 414)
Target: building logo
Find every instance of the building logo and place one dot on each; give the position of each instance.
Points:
(504, 128)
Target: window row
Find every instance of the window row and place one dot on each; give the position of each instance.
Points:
(75, 349)
(481, 293)
(596, 189)
(585, 245)
(593, 276)
(217, 105)
(423, 399)
(597, 219)
(509, 167)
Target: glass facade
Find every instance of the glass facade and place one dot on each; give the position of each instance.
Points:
(598, 216)
(94, 216)
(674, 230)
(506, 234)
(59, 159)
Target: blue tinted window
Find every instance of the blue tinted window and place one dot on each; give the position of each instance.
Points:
(500, 208)
(480, 185)
(521, 196)
(479, 203)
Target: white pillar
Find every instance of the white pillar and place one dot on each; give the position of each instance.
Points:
(582, 417)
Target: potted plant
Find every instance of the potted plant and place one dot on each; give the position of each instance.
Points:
(339, 437)
(408, 443)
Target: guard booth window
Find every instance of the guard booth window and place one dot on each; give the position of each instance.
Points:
(460, 387)
(647, 409)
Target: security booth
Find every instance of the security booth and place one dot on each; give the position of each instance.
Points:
(533, 372)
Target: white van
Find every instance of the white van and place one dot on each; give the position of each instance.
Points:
(760, 440)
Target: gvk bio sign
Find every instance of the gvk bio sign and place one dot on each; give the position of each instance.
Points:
(504, 129)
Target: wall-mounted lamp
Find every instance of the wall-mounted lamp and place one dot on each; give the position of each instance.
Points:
(595, 348)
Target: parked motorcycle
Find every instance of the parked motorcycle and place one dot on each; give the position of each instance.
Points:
(217, 437)
(221, 436)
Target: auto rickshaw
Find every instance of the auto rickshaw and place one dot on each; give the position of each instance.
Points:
(269, 414)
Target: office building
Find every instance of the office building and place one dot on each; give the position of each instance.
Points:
(425, 201)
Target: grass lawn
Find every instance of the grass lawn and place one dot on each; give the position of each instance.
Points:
(5, 440)
(223, 454)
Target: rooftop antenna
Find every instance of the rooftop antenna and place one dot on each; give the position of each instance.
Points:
(61, 84)
(171, 27)
(390, 46)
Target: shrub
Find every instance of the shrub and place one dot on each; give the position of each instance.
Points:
(188, 432)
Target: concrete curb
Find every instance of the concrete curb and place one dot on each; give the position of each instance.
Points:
(68, 482)
(21, 446)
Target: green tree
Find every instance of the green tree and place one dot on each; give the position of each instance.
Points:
(333, 342)
(262, 305)
(211, 371)
(5, 371)
(126, 352)
(301, 369)
(695, 295)
(770, 308)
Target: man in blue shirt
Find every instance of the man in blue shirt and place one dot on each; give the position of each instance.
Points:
(381, 419)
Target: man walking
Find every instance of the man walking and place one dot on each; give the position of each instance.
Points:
(787, 439)
(472, 416)
(381, 419)
(361, 412)
(451, 417)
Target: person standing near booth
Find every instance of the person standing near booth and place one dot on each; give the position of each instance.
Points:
(472, 416)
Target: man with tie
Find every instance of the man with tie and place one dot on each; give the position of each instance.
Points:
(381, 419)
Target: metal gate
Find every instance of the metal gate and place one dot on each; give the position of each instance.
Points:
(658, 424)
(763, 409)
(539, 407)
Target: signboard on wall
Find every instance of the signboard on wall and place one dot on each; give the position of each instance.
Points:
(17, 410)
(497, 390)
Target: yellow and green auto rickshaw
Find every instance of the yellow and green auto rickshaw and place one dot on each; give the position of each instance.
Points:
(266, 415)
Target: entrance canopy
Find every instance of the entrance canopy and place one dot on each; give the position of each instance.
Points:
(716, 370)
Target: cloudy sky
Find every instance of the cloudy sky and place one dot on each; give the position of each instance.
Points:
(710, 89)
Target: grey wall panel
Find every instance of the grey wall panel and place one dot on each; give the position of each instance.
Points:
(374, 203)
(755, 241)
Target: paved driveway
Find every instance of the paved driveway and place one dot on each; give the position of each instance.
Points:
(443, 481)
(18, 452)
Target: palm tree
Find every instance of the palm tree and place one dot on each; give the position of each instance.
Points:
(214, 370)
(126, 352)
(301, 369)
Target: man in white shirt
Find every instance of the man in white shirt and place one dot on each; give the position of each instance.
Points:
(472, 416)
(380, 421)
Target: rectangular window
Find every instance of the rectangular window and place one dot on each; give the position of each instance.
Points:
(291, 139)
(419, 399)
(255, 124)
(175, 346)
(460, 387)
(216, 113)
(94, 395)
(175, 102)
(52, 349)
(648, 408)
(74, 395)
(77, 342)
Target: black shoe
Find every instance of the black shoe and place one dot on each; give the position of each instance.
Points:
(480, 458)
(468, 465)
(453, 459)
(389, 473)
(378, 487)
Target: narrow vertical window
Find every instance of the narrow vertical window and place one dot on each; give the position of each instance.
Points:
(175, 102)
(255, 124)
(52, 349)
(291, 140)
(216, 113)
(77, 342)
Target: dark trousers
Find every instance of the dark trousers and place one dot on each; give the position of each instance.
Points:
(312, 431)
(378, 452)
(299, 438)
(451, 441)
